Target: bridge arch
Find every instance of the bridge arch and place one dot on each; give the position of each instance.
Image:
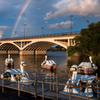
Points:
(39, 46)
(52, 42)
(9, 46)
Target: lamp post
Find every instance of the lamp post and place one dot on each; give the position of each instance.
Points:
(24, 29)
(87, 21)
(15, 33)
(71, 22)
(42, 30)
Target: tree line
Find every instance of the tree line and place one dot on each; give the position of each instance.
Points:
(88, 43)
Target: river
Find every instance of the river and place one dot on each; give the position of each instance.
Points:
(34, 64)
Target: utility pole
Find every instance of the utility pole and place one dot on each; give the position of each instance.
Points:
(71, 22)
(24, 29)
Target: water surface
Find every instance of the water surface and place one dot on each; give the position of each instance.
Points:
(34, 65)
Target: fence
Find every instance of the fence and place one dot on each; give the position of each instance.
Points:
(40, 91)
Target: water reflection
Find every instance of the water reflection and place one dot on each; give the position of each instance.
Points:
(34, 64)
(48, 73)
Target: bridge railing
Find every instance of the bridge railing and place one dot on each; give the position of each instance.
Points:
(44, 35)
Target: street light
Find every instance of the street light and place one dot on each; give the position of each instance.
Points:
(42, 30)
(87, 21)
(15, 33)
(24, 29)
(71, 22)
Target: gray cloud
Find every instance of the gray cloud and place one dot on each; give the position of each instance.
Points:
(78, 7)
(62, 25)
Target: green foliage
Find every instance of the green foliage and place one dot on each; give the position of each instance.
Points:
(58, 46)
(71, 50)
(88, 43)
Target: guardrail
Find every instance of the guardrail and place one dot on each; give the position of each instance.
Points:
(42, 36)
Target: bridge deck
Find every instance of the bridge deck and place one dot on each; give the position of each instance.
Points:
(43, 36)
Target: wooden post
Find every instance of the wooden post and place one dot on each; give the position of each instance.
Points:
(97, 86)
(35, 88)
(50, 81)
(87, 90)
(3, 84)
(42, 90)
(18, 86)
(80, 87)
(57, 81)
(53, 81)
(69, 90)
(28, 84)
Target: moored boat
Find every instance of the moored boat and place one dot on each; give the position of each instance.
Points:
(13, 75)
(87, 67)
(48, 64)
(84, 71)
(9, 63)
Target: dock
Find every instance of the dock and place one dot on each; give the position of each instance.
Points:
(38, 90)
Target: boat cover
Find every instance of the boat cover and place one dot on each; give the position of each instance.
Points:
(86, 64)
(49, 62)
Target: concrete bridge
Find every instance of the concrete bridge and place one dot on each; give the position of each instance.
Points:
(37, 44)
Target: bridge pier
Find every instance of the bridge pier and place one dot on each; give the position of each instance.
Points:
(26, 52)
(12, 52)
(40, 52)
(32, 52)
(71, 42)
(3, 52)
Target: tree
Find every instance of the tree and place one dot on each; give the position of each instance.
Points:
(88, 43)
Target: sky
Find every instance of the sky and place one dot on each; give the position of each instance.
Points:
(52, 15)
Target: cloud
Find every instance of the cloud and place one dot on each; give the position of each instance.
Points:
(46, 22)
(38, 8)
(49, 15)
(1, 34)
(77, 7)
(62, 3)
(4, 27)
(62, 25)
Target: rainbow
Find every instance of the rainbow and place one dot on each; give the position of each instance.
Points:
(19, 17)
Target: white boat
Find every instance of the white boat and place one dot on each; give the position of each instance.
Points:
(75, 79)
(48, 64)
(14, 74)
(9, 63)
(87, 67)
